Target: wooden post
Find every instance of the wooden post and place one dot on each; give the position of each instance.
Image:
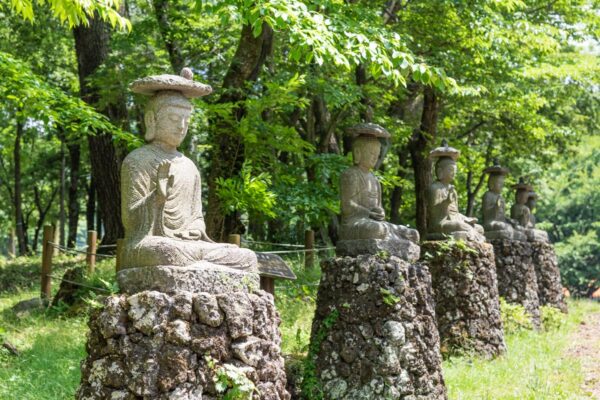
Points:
(47, 253)
(119, 254)
(309, 245)
(90, 258)
(235, 239)
(267, 284)
(12, 248)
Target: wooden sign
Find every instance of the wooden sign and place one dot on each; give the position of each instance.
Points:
(273, 266)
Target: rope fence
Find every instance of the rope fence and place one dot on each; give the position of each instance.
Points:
(78, 251)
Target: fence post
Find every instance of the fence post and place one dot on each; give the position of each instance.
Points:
(90, 257)
(119, 255)
(234, 238)
(309, 245)
(47, 253)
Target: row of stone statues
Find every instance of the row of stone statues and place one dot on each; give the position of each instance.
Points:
(363, 215)
(162, 209)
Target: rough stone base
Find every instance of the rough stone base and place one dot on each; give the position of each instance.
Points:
(536, 235)
(403, 249)
(157, 346)
(548, 276)
(509, 235)
(517, 281)
(466, 297)
(374, 333)
(202, 277)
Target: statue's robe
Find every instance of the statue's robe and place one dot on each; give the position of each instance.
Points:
(361, 192)
(167, 234)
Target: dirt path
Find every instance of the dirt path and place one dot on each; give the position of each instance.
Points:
(586, 347)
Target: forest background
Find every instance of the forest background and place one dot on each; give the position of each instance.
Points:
(516, 80)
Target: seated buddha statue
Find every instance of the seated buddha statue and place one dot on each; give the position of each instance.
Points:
(161, 188)
(522, 213)
(363, 216)
(495, 223)
(444, 218)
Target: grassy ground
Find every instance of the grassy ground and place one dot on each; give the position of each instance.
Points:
(536, 366)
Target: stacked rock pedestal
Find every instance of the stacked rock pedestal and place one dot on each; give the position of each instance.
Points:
(517, 281)
(548, 276)
(466, 297)
(374, 333)
(177, 345)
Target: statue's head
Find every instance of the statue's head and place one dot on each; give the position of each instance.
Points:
(496, 183)
(521, 196)
(445, 169)
(365, 151)
(167, 117)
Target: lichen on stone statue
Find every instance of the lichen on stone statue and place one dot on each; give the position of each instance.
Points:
(495, 222)
(444, 219)
(161, 197)
(363, 228)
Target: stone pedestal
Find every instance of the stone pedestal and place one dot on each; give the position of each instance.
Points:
(517, 281)
(466, 297)
(374, 333)
(548, 276)
(153, 345)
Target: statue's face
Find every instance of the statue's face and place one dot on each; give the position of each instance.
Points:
(171, 124)
(366, 153)
(496, 183)
(446, 172)
(521, 196)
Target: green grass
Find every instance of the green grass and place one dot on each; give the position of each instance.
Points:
(51, 349)
(535, 367)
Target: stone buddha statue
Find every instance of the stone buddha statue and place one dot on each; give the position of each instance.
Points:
(161, 188)
(444, 218)
(495, 223)
(363, 229)
(522, 213)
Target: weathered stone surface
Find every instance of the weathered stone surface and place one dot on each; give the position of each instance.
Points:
(517, 281)
(159, 345)
(161, 199)
(548, 276)
(363, 228)
(404, 249)
(199, 277)
(443, 216)
(374, 333)
(466, 297)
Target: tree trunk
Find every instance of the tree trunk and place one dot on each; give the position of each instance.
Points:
(161, 9)
(62, 214)
(18, 193)
(227, 155)
(74, 161)
(90, 208)
(418, 146)
(92, 46)
(398, 192)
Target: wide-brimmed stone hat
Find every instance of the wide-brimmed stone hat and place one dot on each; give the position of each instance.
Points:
(368, 129)
(444, 151)
(496, 169)
(183, 83)
(522, 185)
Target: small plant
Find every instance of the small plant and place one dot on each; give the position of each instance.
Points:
(389, 298)
(514, 317)
(552, 318)
(231, 382)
